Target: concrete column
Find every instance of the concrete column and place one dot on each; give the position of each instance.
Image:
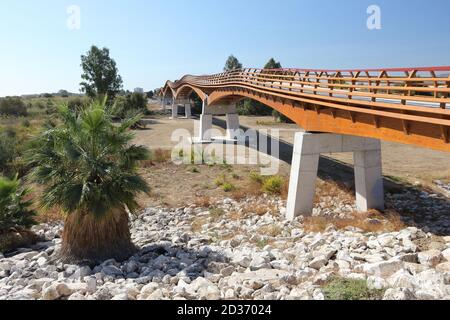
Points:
(305, 164)
(164, 104)
(302, 185)
(232, 125)
(205, 128)
(188, 112)
(174, 109)
(369, 180)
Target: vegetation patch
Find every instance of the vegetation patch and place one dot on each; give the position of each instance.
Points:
(372, 221)
(228, 187)
(14, 239)
(273, 185)
(216, 213)
(348, 289)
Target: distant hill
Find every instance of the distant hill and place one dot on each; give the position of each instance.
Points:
(60, 93)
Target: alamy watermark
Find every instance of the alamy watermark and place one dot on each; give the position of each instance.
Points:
(73, 21)
(256, 148)
(374, 19)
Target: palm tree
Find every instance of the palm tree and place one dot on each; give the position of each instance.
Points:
(89, 169)
(14, 207)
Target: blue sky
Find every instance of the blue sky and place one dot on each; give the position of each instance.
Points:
(156, 40)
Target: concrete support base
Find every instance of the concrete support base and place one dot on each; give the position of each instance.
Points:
(187, 110)
(232, 132)
(205, 128)
(174, 111)
(305, 164)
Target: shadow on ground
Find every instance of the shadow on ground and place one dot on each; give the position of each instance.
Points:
(417, 206)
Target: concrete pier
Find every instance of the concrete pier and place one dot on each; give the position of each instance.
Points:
(305, 164)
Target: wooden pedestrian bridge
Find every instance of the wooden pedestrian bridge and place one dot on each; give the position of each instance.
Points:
(340, 111)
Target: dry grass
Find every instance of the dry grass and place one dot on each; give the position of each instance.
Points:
(44, 215)
(271, 231)
(203, 202)
(334, 190)
(198, 223)
(49, 215)
(156, 157)
(372, 221)
(16, 239)
(161, 156)
(443, 176)
(238, 195)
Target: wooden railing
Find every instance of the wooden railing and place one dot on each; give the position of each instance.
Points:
(420, 95)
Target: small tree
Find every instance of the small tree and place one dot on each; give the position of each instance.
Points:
(88, 168)
(272, 64)
(130, 104)
(100, 74)
(232, 63)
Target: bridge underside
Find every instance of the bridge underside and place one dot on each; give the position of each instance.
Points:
(316, 116)
(321, 116)
(349, 110)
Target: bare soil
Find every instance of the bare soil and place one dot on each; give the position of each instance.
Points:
(180, 185)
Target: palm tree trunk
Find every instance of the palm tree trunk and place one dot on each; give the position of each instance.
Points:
(88, 239)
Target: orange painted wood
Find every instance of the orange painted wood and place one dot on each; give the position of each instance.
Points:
(370, 103)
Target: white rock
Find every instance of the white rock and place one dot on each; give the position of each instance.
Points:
(121, 297)
(64, 290)
(318, 295)
(318, 262)
(383, 269)
(150, 288)
(243, 261)
(264, 275)
(81, 272)
(430, 258)
(211, 292)
(432, 282)
(50, 293)
(77, 297)
(230, 294)
(156, 295)
(199, 283)
(91, 283)
(443, 267)
(259, 262)
(299, 294)
(376, 283)
(42, 262)
(399, 294)
(446, 254)
(402, 279)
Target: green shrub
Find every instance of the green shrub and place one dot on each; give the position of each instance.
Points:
(253, 108)
(348, 289)
(278, 116)
(220, 180)
(273, 185)
(228, 187)
(76, 103)
(14, 209)
(256, 177)
(132, 102)
(8, 151)
(13, 106)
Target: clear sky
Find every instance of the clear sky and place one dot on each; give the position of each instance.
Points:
(156, 40)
